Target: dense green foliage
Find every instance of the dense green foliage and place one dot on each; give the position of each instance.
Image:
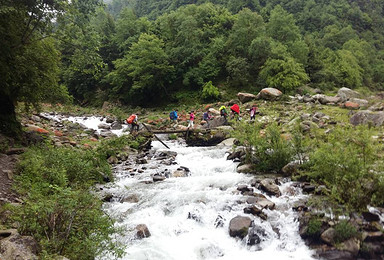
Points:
(59, 210)
(347, 163)
(147, 52)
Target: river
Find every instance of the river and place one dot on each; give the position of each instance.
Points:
(182, 213)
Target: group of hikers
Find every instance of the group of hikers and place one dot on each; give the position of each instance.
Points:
(132, 120)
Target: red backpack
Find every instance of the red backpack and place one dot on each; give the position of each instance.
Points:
(131, 119)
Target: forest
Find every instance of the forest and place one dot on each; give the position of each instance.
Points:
(150, 53)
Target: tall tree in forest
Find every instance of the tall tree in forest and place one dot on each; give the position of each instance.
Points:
(28, 59)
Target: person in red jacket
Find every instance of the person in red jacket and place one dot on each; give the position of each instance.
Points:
(235, 111)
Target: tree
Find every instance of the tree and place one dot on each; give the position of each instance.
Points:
(145, 69)
(28, 60)
(285, 74)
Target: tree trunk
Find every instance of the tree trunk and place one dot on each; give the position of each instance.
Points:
(8, 123)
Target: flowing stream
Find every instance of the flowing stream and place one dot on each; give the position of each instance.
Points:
(188, 217)
(183, 214)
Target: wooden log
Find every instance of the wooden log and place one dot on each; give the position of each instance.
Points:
(156, 136)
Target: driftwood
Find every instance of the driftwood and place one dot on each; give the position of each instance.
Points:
(156, 136)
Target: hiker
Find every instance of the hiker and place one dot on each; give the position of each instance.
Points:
(223, 112)
(252, 112)
(236, 111)
(206, 117)
(173, 116)
(191, 119)
(133, 121)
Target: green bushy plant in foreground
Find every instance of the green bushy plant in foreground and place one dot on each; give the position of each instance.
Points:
(344, 231)
(59, 210)
(267, 147)
(348, 165)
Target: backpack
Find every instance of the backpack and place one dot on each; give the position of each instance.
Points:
(130, 119)
(172, 115)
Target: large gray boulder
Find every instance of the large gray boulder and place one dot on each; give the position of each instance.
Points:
(15, 246)
(367, 117)
(261, 201)
(269, 94)
(238, 226)
(270, 187)
(245, 97)
(346, 94)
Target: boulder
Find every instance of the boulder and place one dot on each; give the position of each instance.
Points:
(132, 198)
(106, 133)
(269, 94)
(346, 94)
(270, 187)
(335, 254)
(328, 236)
(245, 97)
(238, 226)
(361, 102)
(367, 117)
(256, 235)
(214, 111)
(37, 129)
(351, 245)
(245, 168)
(215, 122)
(142, 231)
(157, 178)
(351, 105)
(104, 126)
(116, 126)
(15, 246)
(261, 201)
(290, 169)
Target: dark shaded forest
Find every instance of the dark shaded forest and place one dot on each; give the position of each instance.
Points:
(153, 52)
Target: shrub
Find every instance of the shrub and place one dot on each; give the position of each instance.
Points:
(59, 211)
(344, 231)
(347, 164)
(270, 151)
(314, 228)
(210, 92)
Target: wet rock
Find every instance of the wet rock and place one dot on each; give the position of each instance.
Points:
(132, 198)
(109, 120)
(256, 234)
(346, 94)
(245, 168)
(351, 245)
(328, 236)
(107, 197)
(377, 236)
(255, 211)
(308, 188)
(194, 216)
(208, 138)
(157, 178)
(179, 173)
(18, 247)
(106, 133)
(269, 94)
(368, 216)
(238, 226)
(104, 126)
(335, 254)
(219, 222)
(116, 126)
(261, 201)
(141, 161)
(243, 188)
(236, 155)
(367, 117)
(270, 187)
(210, 252)
(142, 231)
(245, 97)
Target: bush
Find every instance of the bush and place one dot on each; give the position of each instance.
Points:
(347, 164)
(314, 228)
(59, 210)
(269, 151)
(210, 92)
(344, 231)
